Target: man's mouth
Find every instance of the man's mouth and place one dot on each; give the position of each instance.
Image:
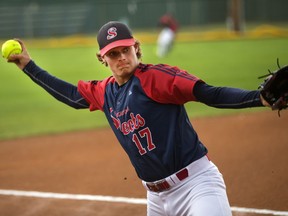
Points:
(123, 65)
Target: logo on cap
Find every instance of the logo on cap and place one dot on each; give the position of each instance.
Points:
(112, 33)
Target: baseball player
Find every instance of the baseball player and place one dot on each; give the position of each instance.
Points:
(167, 35)
(144, 105)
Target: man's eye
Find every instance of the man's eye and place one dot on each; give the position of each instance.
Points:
(113, 54)
(126, 49)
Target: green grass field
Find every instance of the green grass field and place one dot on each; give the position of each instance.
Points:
(26, 109)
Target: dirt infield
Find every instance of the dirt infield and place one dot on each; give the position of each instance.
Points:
(249, 149)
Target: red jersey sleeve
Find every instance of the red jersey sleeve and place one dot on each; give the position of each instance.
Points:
(93, 92)
(167, 84)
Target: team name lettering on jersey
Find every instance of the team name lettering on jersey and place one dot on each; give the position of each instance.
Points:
(123, 112)
(135, 122)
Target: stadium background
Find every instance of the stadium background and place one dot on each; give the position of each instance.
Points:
(76, 162)
(42, 18)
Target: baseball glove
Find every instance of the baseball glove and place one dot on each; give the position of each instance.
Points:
(274, 89)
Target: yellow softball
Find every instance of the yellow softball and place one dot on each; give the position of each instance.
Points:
(11, 47)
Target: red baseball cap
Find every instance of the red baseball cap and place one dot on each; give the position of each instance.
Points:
(114, 34)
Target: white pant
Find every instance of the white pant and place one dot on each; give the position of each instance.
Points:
(202, 193)
(164, 42)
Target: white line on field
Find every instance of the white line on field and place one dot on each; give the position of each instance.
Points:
(72, 196)
(118, 199)
(259, 211)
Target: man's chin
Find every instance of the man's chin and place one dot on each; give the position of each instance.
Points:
(125, 69)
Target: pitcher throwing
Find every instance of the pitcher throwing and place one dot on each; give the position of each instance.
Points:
(144, 105)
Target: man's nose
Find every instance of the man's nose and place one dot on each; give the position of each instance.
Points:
(122, 55)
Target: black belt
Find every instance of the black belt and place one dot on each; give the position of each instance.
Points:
(163, 185)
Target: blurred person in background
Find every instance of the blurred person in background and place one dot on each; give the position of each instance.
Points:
(167, 35)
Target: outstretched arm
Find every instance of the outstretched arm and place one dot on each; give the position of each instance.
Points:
(226, 97)
(59, 89)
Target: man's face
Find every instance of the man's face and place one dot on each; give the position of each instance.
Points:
(122, 61)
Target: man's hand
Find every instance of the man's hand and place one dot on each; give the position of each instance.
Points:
(264, 102)
(22, 59)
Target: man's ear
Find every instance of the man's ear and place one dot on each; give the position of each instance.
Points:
(101, 59)
(136, 48)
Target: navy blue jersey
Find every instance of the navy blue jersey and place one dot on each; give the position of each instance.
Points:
(148, 117)
(147, 113)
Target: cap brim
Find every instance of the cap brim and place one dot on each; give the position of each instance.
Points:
(118, 43)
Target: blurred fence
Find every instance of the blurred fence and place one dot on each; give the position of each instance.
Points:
(49, 18)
